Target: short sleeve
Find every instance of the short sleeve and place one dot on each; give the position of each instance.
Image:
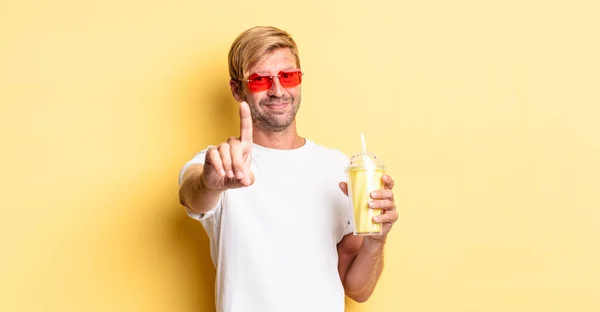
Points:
(346, 216)
(349, 228)
(198, 159)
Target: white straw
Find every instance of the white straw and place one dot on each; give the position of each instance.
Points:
(364, 145)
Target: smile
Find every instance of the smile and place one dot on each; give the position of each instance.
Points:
(276, 106)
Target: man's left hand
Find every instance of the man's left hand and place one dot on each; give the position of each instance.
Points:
(381, 199)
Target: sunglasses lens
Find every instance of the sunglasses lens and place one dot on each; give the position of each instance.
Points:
(290, 79)
(258, 83)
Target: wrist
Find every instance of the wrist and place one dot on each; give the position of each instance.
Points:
(204, 189)
(374, 243)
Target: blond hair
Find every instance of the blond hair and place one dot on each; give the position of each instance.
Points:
(255, 43)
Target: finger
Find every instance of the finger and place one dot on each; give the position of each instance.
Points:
(388, 217)
(344, 188)
(245, 126)
(214, 159)
(388, 182)
(237, 158)
(384, 204)
(225, 155)
(382, 194)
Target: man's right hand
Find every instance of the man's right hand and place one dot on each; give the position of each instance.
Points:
(227, 165)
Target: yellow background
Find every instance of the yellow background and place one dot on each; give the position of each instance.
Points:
(486, 113)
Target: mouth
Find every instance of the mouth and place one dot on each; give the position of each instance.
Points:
(276, 106)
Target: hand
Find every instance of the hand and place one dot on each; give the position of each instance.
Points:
(382, 199)
(227, 165)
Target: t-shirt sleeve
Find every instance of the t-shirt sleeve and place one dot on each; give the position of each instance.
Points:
(198, 159)
(347, 217)
(349, 228)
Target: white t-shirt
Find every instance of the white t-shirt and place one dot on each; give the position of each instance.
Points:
(274, 243)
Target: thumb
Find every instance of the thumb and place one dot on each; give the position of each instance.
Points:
(344, 188)
(248, 178)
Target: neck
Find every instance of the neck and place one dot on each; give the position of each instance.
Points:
(285, 140)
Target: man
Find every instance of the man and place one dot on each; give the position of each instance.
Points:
(272, 202)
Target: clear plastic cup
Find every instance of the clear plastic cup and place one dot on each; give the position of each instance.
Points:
(363, 175)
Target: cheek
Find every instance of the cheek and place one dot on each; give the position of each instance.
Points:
(295, 93)
(255, 98)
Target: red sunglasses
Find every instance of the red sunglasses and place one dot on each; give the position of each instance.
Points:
(287, 79)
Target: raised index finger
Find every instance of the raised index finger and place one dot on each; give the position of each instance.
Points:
(245, 125)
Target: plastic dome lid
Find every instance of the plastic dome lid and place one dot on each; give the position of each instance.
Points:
(365, 160)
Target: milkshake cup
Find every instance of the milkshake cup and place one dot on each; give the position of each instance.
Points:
(363, 175)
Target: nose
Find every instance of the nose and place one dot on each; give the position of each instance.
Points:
(276, 88)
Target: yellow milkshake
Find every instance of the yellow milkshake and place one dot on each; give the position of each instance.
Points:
(364, 176)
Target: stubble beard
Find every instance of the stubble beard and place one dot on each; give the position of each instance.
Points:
(274, 122)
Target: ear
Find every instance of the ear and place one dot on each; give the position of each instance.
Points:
(236, 90)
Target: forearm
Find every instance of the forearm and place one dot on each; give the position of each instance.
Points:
(194, 195)
(365, 270)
